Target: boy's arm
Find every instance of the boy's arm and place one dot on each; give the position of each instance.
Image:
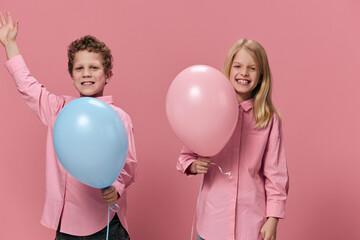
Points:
(8, 33)
(45, 104)
(127, 175)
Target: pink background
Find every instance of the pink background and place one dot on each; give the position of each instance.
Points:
(314, 52)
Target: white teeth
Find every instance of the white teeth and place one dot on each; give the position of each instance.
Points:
(87, 83)
(243, 81)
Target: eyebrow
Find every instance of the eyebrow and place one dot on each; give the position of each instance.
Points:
(243, 64)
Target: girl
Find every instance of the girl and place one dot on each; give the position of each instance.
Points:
(73, 209)
(248, 205)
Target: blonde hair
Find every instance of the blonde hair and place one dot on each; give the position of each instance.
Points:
(264, 110)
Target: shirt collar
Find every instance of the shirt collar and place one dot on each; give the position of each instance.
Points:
(247, 105)
(107, 99)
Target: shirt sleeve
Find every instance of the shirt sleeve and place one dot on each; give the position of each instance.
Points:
(127, 175)
(186, 158)
(275, 172)
(42, 102)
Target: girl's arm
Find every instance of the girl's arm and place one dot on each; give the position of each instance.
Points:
(276, 180)
(275, 172)
(8, 33)
(268, 230)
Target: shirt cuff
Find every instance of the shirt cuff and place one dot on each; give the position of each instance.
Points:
(15, 63)
(187, 168)
(120, 187)
(275, 209)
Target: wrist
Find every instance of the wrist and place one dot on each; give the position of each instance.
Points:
(274, 220)
(190, 170)
(11, 49)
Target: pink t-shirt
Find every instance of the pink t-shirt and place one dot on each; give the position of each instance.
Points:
(237, 208)
(81, 208)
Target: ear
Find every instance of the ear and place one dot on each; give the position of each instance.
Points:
(107, 80)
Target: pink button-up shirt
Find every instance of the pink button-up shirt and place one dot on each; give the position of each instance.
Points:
(81, 208)
(237, 208)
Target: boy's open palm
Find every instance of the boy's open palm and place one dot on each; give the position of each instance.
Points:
(8, 30)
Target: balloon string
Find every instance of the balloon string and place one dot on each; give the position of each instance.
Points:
(228, 174)
(197, 203)
(114, 208)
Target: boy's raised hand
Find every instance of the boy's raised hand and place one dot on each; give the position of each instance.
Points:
(8, 32)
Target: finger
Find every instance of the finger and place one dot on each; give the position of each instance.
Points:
(263, 234)
(266, 237)
(108, 193)
(9, 19)
(110, 200)
(16, 27)
(202, 171)
(198, 168)
(203, 168)
(204, 164)
(207, 160)
(2, 18)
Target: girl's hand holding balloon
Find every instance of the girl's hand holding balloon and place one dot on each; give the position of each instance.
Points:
(110, 195)
(200, 166)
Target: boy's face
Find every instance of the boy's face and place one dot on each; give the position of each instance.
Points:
(88, 74)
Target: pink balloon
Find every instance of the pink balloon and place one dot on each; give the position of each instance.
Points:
(202, 109)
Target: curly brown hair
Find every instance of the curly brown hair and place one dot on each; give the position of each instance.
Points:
(91, 44)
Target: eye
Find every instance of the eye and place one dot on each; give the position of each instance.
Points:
(253, 68)
(236, 66)
(78, 68)
(94, 67)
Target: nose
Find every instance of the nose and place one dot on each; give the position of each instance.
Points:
(86, 73)
(244, 72)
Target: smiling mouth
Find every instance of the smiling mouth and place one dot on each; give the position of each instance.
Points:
(87, 83)
(243, 81)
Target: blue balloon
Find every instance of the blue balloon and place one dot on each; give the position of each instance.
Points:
(91, 141)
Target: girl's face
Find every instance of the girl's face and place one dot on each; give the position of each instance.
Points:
(244, 74)
(88, 73)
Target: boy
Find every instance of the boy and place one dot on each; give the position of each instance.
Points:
(71, 207)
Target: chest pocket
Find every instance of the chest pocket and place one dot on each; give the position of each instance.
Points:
(253, 145)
